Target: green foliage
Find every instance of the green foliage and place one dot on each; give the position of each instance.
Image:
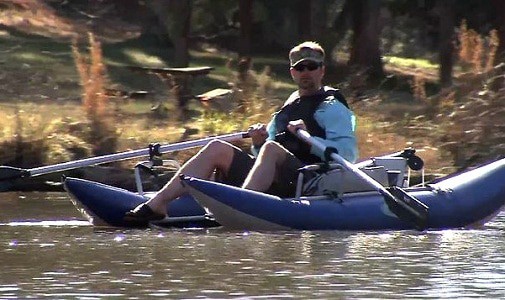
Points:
(215, 122)
(251, 101)
(34, 139)
(410, 62)
(66, 147)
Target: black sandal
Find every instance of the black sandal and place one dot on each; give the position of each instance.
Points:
(141, 216)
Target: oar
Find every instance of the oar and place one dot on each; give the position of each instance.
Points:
(405, 206)
(10, 173)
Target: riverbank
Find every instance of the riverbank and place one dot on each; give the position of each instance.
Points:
(45, 119)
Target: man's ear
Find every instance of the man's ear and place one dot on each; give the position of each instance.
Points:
(292, 72)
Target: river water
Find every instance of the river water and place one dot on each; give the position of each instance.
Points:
(48, 250)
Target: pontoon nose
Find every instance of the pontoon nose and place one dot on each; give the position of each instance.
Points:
(485, 184)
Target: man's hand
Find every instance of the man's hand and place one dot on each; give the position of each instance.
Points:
(258, 133)
(293, 126)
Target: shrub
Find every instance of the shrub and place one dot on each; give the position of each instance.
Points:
(101, 133)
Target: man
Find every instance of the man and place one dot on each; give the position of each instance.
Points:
(321, 110)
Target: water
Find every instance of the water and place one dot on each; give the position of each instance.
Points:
(47, 250)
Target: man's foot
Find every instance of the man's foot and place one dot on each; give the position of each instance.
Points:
(141, 215)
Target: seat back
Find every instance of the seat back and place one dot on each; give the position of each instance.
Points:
(338, 181)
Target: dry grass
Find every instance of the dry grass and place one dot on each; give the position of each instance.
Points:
(38, 17)
(93, 78)
(385, 127)
(471, 115)
(101, 133)
(466, 120)
(473, 127)
(33, 135)
(476, 53)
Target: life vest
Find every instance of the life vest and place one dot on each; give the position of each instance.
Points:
(303, 108)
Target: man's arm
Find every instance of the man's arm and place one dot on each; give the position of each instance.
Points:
(339, 124)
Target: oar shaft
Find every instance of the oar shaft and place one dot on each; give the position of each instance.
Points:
(132, 154)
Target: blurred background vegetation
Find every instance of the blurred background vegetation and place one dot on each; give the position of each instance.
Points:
(427, 74)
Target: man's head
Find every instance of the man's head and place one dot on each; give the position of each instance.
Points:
(307, 67)
(306, 51)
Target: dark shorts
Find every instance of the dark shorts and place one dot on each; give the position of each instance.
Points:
(240, 166)
(284, 185)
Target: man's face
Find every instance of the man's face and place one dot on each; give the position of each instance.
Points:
(308, 75)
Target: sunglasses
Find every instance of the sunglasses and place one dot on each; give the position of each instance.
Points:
(309, 66)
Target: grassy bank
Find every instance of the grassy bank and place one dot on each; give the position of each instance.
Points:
(45, 118)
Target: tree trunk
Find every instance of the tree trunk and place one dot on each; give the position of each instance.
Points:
(180, 13)
(365, 48)
(499, 23)
(304, 19)
(320, 20)
(341, 23)
(131, 10)
(175, 15)
(446, 50)
(245, 15)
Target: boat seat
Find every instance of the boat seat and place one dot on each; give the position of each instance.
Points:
(337, 180)
(352, 183)
(396, 168)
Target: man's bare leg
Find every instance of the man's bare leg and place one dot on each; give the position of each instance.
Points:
(215, 155)
(265, 169)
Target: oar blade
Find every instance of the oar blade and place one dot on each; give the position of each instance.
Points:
(5, 186)
(407, 207)
(9, 174)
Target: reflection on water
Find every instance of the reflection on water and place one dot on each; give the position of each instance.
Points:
(48, 251)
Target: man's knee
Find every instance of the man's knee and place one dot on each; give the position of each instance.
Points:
(217, 149)
(273, 148)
